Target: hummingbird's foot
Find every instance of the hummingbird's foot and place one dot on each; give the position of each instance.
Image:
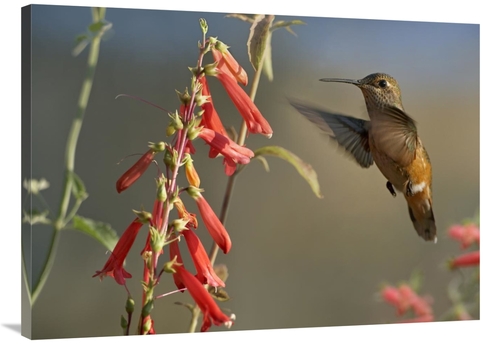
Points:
(390, 188)
(409, 189)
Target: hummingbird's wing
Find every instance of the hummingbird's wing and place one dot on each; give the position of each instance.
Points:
(395, 134)
(351, 133)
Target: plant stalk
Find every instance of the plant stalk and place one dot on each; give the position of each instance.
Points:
(69, 158)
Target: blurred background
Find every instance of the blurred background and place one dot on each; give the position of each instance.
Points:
(296, 261)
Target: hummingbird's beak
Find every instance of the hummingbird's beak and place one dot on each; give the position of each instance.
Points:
(346, 81)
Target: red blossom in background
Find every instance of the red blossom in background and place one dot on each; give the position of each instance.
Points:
(465, 234)
(463, 292)
(254, 120)
(404, 298)
(133, 173)
(211, 312)
(465, 260)
(114, 265)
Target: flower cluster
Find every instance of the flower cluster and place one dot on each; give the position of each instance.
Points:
(196, 118)
(462, 292)
(404, 298)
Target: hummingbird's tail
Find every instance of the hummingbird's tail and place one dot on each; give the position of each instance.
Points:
(422, 216)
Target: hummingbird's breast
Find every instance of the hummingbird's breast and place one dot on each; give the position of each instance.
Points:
(418, 171)
(394, 173)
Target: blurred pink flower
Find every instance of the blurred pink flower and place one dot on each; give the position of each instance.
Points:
(465, 260)
(466, 235)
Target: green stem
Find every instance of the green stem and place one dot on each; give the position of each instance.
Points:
(228, 194)
(74, 133)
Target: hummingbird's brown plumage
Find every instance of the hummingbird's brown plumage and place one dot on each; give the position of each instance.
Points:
(389, 139)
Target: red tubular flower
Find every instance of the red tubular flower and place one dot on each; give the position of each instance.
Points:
(213, 224)
(225, 146)
(206, 273)
(254, 120)
(211, 312)
(465, 260)
(229, 167)
(133, 173)
(175, 252)
(210, 119)
(114, 265)
(466, 235)
(229, 65)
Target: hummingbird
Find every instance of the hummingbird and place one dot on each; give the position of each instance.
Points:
(389, 139)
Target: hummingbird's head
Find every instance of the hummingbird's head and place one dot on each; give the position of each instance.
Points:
(379, 90)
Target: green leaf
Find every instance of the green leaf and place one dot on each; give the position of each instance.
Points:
(264, 162)
(304, 169)
(286, 25)
(80, 38)
(100, 231)
(257, 41)
(79, 191)
(80, 46)
(267, 67)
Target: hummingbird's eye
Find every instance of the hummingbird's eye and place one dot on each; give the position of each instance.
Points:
(382, 83)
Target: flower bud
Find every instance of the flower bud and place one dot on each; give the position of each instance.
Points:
(123, 323)
(161, 191)
(184, 97)
(170, 130)
(176, 121)
(146, 327)
(129, 306)
(191, 174)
